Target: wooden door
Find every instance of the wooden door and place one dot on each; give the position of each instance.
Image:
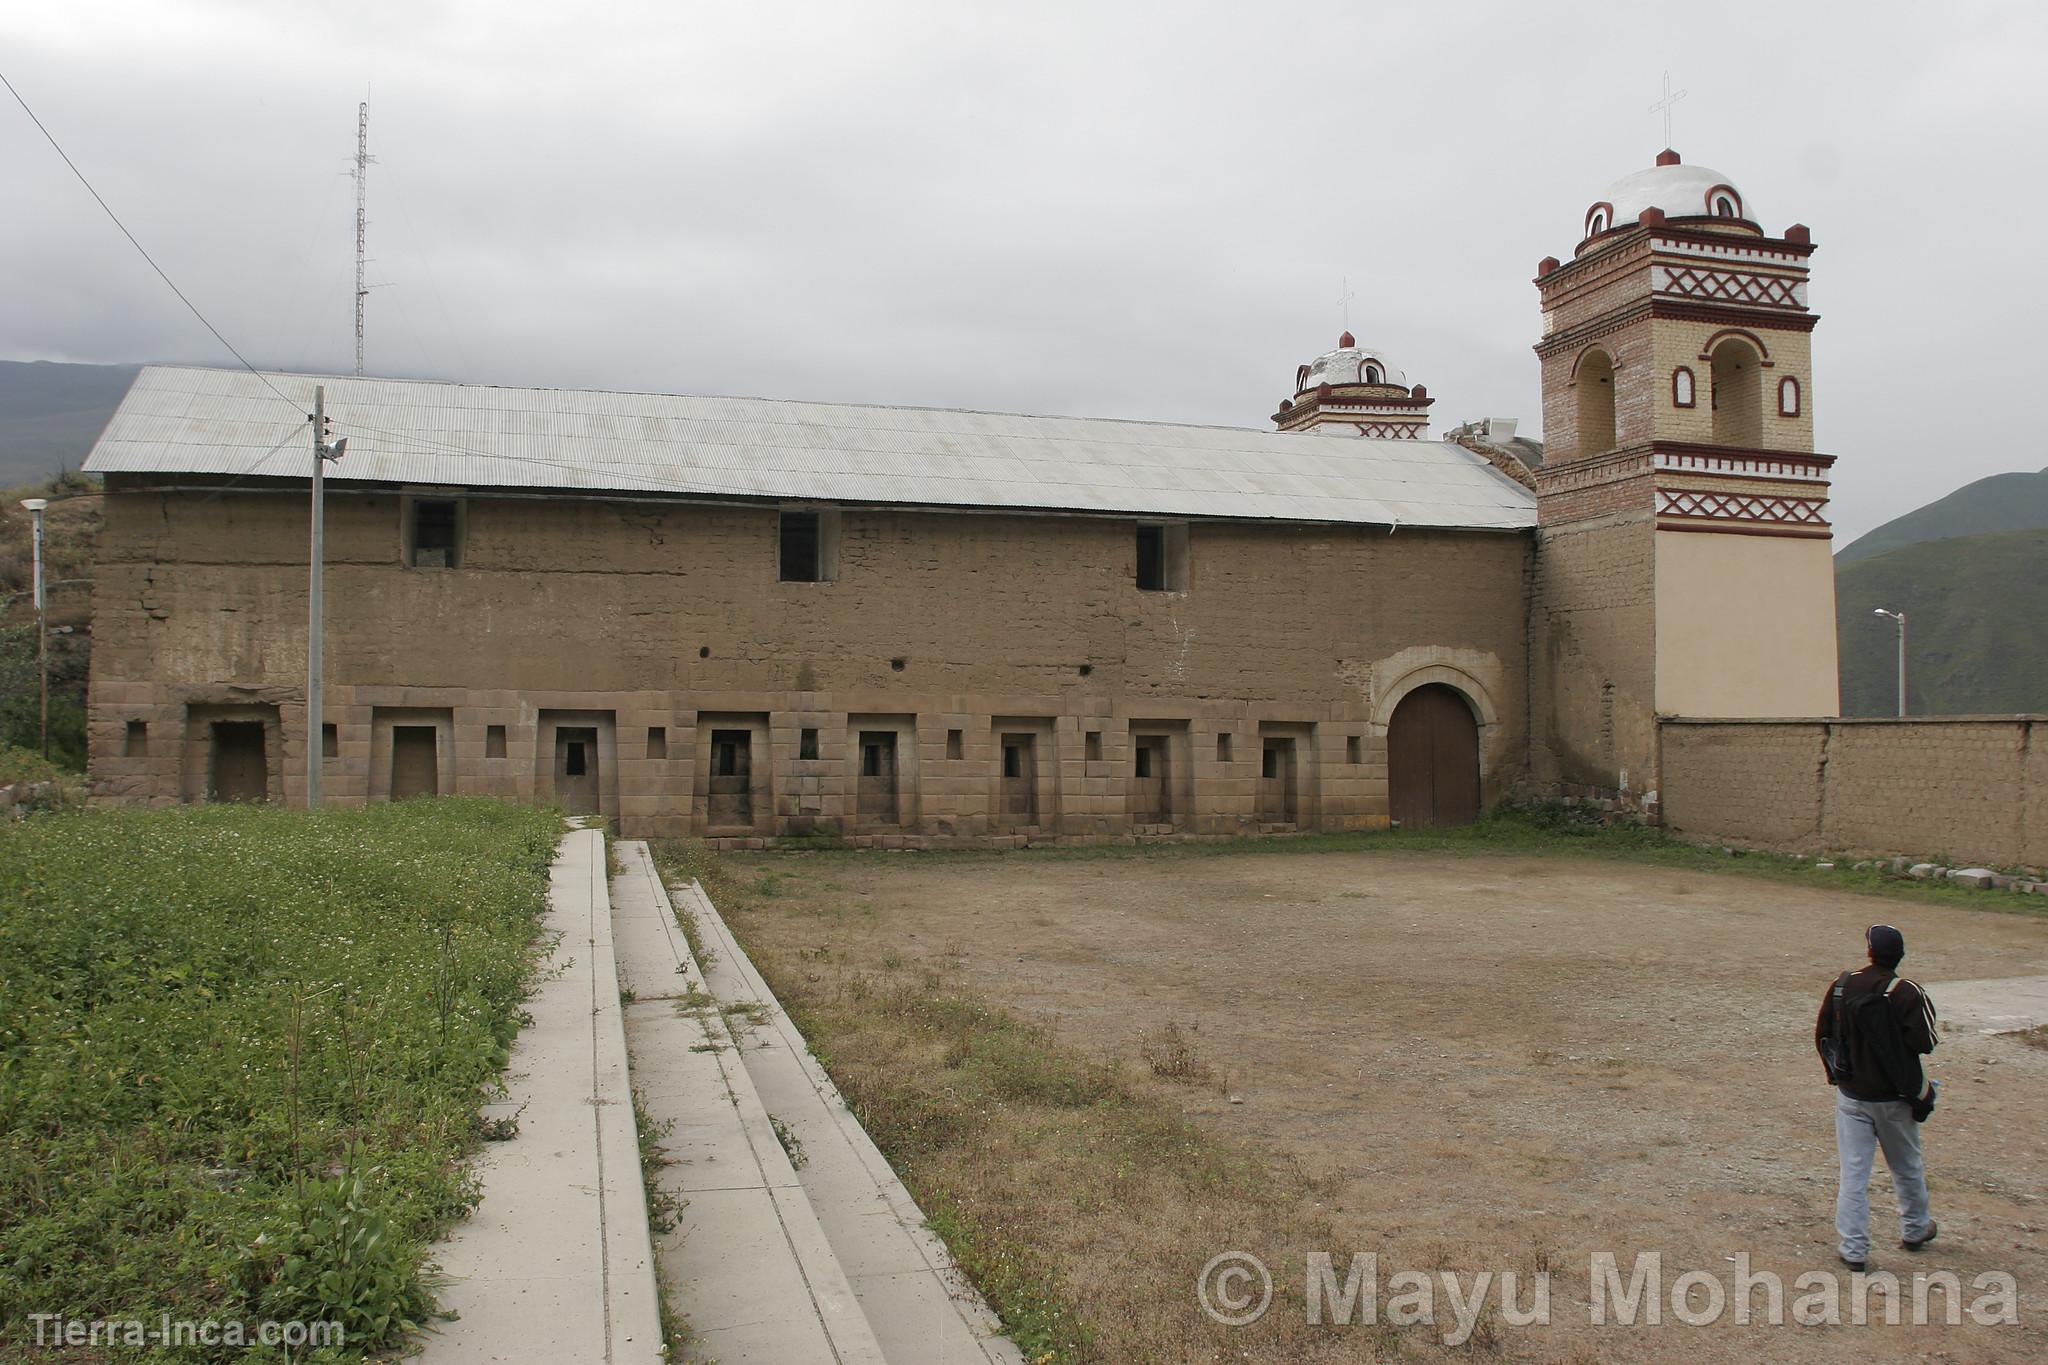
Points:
(415, 765)
(576, 769)
(1432, 760)
(241, 771)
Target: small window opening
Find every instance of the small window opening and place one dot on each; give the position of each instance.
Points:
(1724, 207)
(1151, 558)
(135, 744)
(1092, 746)
(703, 651)
(806, 546)
(954, 743)
(1788, 397)
(1354, 750)
(330, 741)
(896, 664)
(807, 744)
(573, 764)
(1144, 760)
(494, 741)
(1085, 669)
(657, 741)
(1223, 748)
(433, 533)
(1162, 557)
(1372, 374)
(1013, 760)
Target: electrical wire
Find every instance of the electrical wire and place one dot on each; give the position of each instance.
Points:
(97, 198)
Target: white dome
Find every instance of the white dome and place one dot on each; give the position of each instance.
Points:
(1347, 365)
(1680, 191)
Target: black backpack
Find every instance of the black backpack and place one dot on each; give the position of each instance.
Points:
(1868, 1019)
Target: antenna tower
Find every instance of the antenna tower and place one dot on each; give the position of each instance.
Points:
(362, 218)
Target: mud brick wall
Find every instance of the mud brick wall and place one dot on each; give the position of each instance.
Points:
(1958, 789)
(948, 630)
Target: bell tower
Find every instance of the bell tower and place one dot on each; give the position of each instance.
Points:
(1684, 562)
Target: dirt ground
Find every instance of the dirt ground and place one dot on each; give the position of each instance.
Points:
(1471, 1063)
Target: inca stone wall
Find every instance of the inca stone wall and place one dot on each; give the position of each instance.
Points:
(654, 624)
(1958, 789)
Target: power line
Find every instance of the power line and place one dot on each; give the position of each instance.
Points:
(51, 138)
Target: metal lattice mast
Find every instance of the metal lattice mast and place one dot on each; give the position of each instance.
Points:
(362, 217)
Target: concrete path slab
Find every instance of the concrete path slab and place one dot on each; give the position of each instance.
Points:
(922, 1309)
(556, 1263)
(2005, 1002)
(747, 1262)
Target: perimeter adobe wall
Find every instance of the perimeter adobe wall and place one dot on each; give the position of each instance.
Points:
(947, 629)
(1965, 789)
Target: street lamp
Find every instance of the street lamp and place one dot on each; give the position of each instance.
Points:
(1900, 617)
(35, 508)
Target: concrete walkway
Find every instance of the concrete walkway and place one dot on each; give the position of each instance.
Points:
(920, 1308)
(556, 1264)
(747, 1263)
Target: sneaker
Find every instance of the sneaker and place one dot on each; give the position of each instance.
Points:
(1913, 1245)
(1857, 1266)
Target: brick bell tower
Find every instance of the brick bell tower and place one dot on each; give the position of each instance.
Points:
(1355, 391)
(1683, 561)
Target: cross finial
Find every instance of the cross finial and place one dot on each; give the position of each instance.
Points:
(1663, 106)
(1344, 302)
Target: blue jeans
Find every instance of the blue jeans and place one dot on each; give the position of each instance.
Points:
(1861, 1127)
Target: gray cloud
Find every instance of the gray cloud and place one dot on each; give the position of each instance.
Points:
(1138, 210)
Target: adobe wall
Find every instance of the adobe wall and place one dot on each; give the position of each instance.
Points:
(670, 615)
(1956, 789)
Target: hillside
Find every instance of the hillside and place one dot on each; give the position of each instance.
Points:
(50, 414)
(1973, 604)
(2002, 502)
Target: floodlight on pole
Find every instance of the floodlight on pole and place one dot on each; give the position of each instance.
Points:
(34, 507)
(1900, 617)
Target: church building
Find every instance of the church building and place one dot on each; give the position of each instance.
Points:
(751, 619)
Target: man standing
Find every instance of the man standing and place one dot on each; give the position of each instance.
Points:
(1874, 1027)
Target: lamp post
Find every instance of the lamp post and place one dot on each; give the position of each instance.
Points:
(1900, 617)
(35, 508)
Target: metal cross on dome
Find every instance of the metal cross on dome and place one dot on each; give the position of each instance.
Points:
(1664, 106)
(1344, 302)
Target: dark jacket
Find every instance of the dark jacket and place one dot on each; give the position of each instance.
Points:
(1915, 1013)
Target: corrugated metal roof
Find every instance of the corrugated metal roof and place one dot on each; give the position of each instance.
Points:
(401, 431)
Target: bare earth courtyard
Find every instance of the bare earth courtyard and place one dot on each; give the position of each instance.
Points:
(1459, 1063)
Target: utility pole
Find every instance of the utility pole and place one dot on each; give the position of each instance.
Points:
(362, 219)
(316, 731)
(35, 508)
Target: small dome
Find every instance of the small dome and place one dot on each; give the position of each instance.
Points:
(1350, 363)
(1677, 190)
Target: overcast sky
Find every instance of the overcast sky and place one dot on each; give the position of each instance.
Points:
(1133, 210)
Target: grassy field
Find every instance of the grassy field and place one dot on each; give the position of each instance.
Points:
(241, 1054)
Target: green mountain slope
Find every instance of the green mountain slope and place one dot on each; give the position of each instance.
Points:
(50, 414)
(1974, 607)
(2003, 502)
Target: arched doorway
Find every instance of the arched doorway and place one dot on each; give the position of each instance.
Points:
(1432, 759)
(1595, 402)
